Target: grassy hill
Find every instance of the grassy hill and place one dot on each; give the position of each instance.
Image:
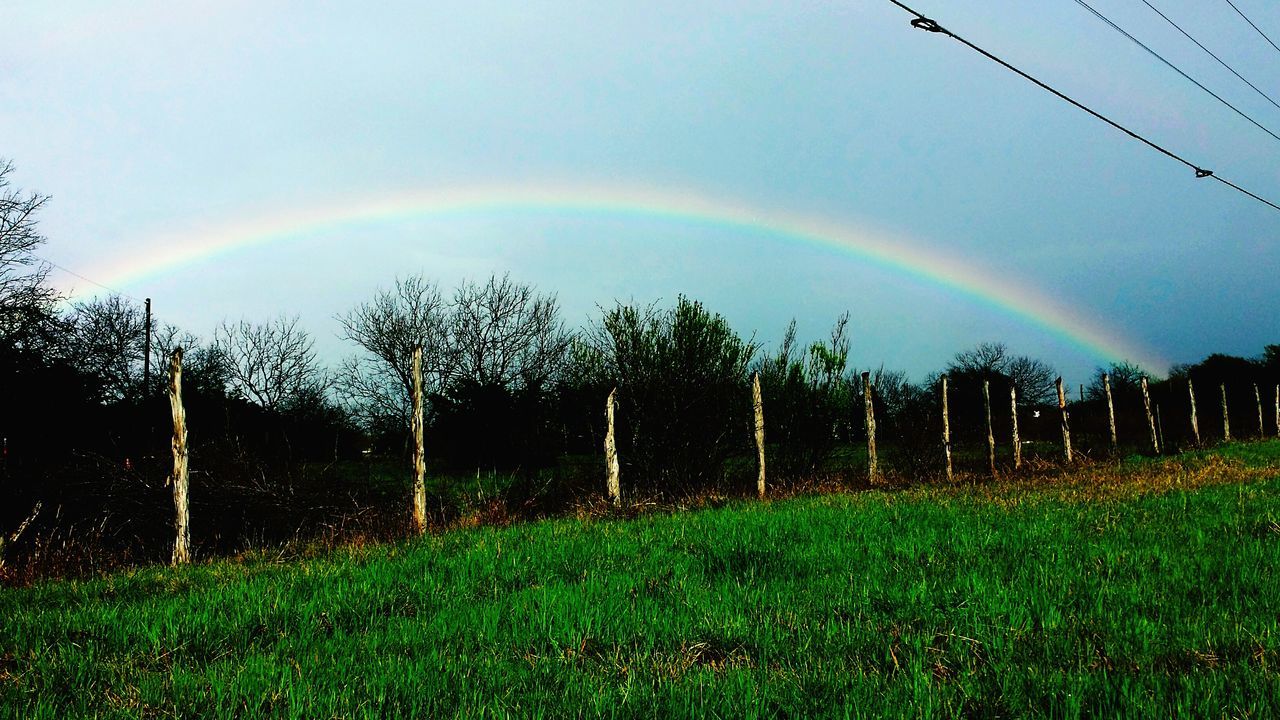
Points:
(1149, 588)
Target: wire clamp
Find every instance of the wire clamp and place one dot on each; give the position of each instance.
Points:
(924, 23)
(1202, 173)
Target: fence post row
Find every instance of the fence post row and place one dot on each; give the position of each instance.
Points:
(1013, 414)
(991, 438)
(1066, 429)
(1151, 421)
(872, 465)
(419, 452)
(1226, 419)
(1111, 411)
(180, 478)
(946, 428)
(757, 403)
(613, 485)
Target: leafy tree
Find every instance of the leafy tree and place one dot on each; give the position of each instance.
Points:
(807, 399)
(682, 391)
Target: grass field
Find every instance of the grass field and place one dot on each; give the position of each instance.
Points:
(1144, 589)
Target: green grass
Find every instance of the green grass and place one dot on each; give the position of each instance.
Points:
(1147, 590)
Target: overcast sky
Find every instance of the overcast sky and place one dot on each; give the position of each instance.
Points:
(161, 122)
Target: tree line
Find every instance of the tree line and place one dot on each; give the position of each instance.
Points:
(511, 391)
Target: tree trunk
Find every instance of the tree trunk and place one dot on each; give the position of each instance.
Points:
(1195, 422)
(180, 478)
(946, 428)
(1066, 429)
(1151, 421)
(1013, 414)
(419, 451)
(991, 438)
(757, 403)
(613, 485)
(1111, 411)
(873, 469)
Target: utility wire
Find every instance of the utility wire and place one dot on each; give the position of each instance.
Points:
(1211, 54)
(1175, 68)
(1255, 27)
(82, 277)
(923, 23)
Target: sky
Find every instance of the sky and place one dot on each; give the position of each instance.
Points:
(774, 160)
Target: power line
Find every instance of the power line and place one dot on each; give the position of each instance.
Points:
(1211, 54)
(69, 271)
(923, 23)
(1175, 68)
(1255, 27)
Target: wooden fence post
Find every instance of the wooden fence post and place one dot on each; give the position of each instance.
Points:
(872, 465)
(1151, 421)
(1262, 430)
(419, 451)
(1278, 410)
(1013, 414)
(1195, 423)
(1226, 419)
(991, 438)
(613, 485)
(946, 428)
(1111, 411)
(180, 477)
(1066, 429)
(757, 402)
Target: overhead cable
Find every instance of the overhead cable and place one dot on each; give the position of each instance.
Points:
(1211, 53)
(924, 23)
(1175, 68)
(1255, 27)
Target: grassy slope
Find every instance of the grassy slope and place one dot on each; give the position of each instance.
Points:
(1154, 589)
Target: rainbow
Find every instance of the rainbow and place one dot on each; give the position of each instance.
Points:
(931, 266)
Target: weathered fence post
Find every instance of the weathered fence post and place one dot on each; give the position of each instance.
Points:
(613, 485)
(419, 452)
(22, 527)
(1151, 421)
(1278, 410)
(180, 477)
(946, 428)
(1226, 419)
(1195, 423)
(1066, 430)
(991, 438)
(757, 402)
(1111, 411)
(872, 465)
(1262, 431)
(1013, 414)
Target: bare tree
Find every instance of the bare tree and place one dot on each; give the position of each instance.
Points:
(376, 386)
(107, 339)
(271, 363)
(26, 302)
(503, 334)
(1034, 379)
